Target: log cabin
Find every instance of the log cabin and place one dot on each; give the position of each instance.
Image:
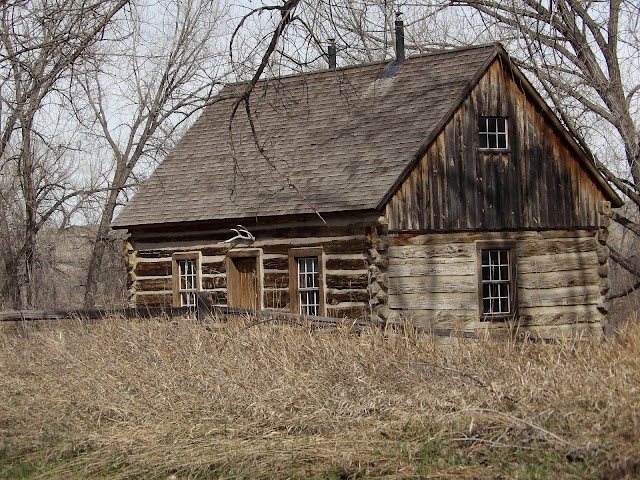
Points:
(438, 189)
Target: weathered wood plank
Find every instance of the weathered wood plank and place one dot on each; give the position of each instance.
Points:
(470, 236)
(433, 284)
(531, 248)
(348, 310)
(530, 185)
(276, 280)
(152, 269)
(434, 301)
(276, 263)
(581, 295)
(213, 268)
(333, 263)
(410, 269)
(556, 263)
(210, 282)
(153, 299)
(156, 284)
(335, 297)
(349, 281)
(451, 250)
(589, 312)
(567, 278)
(217, 297)
(340, 245)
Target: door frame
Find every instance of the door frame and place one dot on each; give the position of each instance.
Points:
(246, 253)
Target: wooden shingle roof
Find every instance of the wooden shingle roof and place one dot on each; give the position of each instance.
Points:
(343, 138)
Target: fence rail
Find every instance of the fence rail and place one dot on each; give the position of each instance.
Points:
(203, 310)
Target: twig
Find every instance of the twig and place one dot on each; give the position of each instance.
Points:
(513, 419)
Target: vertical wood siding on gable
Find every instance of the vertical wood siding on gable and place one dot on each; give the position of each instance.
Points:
(536, 183)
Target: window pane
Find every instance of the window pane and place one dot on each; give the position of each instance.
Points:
(188, 282)
(492, 132)
(496, 274)
(308, 285)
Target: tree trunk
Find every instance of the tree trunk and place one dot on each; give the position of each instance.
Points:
(31, 207)
(100, 244)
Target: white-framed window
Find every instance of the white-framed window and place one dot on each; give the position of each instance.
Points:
(188, 282)
(308, 285)
(496, 280)
(186, 278)
(492, 133)
(306, 281)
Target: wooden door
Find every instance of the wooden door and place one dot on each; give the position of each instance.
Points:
(244, 283)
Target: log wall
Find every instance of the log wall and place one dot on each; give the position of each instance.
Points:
(345, 245)
(560, 280)
(536, 183)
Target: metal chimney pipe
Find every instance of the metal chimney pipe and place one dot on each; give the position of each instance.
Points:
(332, 53)
(399, 37)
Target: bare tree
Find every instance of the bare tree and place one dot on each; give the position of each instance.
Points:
(42, 42)
(167, 70)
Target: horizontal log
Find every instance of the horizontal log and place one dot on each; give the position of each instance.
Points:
(339, 245)
(433, 284)
(589, 313)
(346, 264)
(335, 297)
(153, 300)
(532, 248)
(560, 318)
(550, 297)
(306, 231)
(415, 269)
(276, 263)
(152, 269)
(350, 281)
(557, 263)
(348, 311)
(570, 278)
(216, 297)
(344, 226)
(213, 268)
(158, 284)
(452, 250)
(431, 261)
(434, 301)
(206, 250)
(276, 280)
(470, 321)
(472, 236)
(214, 281)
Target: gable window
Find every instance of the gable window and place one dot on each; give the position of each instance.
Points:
(306, 281)
(496, 280)
(492, 133)
(186, 278)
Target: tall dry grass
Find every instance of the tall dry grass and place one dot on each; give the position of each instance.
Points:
(177, 399)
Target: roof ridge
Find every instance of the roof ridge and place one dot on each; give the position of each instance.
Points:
(325, 71)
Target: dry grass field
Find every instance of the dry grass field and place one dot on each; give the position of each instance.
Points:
(177, 400)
